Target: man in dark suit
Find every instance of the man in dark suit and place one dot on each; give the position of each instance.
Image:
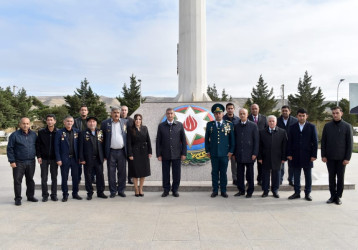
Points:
(302, 152)
(230, 116)
(261, 123)
(272, 153)
(80, 123)
(219, 146)
(91, 156)
(130, 121)
(66, 151)
(171, 149)
(336, 152)
(284, 122)
(115, 140)
(246, 151)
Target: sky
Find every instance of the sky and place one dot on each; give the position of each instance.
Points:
(49, 47)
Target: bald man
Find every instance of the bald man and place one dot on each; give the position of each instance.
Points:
(21, 152)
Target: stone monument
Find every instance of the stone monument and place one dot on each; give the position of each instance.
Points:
(192, 51)
(192, 105)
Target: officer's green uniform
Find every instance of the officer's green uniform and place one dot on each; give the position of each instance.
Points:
(219, 141)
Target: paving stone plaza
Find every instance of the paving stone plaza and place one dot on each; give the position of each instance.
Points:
(192, 221)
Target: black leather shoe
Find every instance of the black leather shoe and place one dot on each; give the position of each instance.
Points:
(76, 197)
(239, 194)
(213, 195)
(17, 202)
(136, 195)
(331, 200)
(32, 199)
(44, 199)
(141, 195)
(248, 196)
(54, 198)
(102, 195)
(224, 194)
(175, 194)
(276, 195)
(294, 196)
(89, 197)
(112, 195)
(308, 197)
(130, 182)
(338, 201)
(122, 194)
(165, 194)
(264, 195)
(290, 183)
(64, 199)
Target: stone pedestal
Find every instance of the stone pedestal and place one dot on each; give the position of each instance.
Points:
(153, 114)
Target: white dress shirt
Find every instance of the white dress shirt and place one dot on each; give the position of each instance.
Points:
(117, 141)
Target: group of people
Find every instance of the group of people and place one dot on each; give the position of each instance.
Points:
(120, 139)
(271, 142)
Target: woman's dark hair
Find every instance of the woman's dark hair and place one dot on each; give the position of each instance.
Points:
(133, 125)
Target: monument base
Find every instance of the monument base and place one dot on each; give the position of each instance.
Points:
(153, 114)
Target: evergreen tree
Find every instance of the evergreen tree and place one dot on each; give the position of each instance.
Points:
(262, 96)
(131, 96)
(85, 96)
(307, 99)
(214, 96)
(59, 111)
(14, 106)
(213, 93)
(8, 113)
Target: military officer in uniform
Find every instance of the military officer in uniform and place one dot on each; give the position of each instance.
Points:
(219, 146)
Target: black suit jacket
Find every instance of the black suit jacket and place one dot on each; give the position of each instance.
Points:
(261, 122)
(302, 145)
(106, 127)
(86, 150)
(272, 148)
(171, 143)
(337, 141)
(291, 120)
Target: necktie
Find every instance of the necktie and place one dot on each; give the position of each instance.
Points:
(218, 125)
(255, 119)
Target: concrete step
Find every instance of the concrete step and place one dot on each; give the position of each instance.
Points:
(200, 186)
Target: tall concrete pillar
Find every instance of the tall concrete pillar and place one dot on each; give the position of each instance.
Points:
(192, 51)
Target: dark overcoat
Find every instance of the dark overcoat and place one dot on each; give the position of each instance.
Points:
(302, 145)
(246, 141)
(171, 141)
(139, 146)
(272, 149)
(337, 141)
